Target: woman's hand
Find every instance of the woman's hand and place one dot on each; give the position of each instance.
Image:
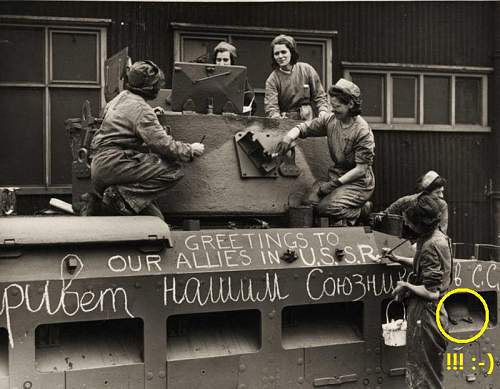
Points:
(325, 188)
(197, 149)
(323, 114)
(286, 142)
(400, 290)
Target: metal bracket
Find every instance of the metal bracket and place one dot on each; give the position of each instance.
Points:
(288, 168)
(326, 381)
(189, 107)
(253, 160)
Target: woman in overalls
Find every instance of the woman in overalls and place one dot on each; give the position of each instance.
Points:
(350, 182)
(432, 274)
(293, 89)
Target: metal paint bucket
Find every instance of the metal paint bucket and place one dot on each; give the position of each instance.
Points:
(394, 332)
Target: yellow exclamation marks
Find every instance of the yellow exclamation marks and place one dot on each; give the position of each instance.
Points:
(458, 361)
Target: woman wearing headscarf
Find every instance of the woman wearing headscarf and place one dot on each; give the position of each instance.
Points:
(432, 269)
(350, 140)
(225, 54)
(294, 88)
(430, 183)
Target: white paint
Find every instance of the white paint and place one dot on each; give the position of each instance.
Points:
(134, 263)
(221, 290)
(68, 302)
(456, 278)
(476, 284)
(492, 285)
(356, 286)
(221, 250)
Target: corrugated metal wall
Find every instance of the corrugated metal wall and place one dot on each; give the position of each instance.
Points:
(437, 33)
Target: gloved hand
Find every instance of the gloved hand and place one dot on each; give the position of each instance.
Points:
(379, 218)
(197, 149)
(323, 114)
(283, 145)
(286, 143)
(326, 188)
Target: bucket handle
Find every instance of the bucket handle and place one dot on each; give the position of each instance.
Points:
(387, 311)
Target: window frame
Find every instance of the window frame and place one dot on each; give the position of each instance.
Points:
(420, 71)
(52, 81)
(225, 32)
(49, 25)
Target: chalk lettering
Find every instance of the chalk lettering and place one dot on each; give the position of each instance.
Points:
(194, 246)
(182, 260)
(68, 301)
(341, 287)
(477, 285)
(221, 290)
(154, 259)
(350, 257)
(457, 279)
(366, 252)
(221, 238)
(232, 238)
(327, 258)
(134, 263)
(332, 238)
(492, 285)
(345, 285)
(358, 280)
(117, 263)
(306, 259)
(246, 260)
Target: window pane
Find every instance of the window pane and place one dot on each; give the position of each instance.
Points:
(21, 148)
(468, 108)
(65, 104)
(313, 55)
(199, 49)
(22, 54)
(74, 57)
(372, 93)
(259, 100)
(436, 100)
(248, 50)
(404, 97)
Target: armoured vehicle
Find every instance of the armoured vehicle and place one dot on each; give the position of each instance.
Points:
(242, 289)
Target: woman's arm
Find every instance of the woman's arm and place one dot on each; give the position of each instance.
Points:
(271, 98)
(357, 172)
(318, 94)
(419, 290)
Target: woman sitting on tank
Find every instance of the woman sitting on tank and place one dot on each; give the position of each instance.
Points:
(225, 54)
(350, 140)
(293, 89)
(430, 183)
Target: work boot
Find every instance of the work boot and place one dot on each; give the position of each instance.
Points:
(364, 216)
(115, 203)
(91, 205)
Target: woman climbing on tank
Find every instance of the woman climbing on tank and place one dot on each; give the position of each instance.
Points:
(350, 140)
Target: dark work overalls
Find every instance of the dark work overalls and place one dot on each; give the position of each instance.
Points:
(426, 346)
(140, 174)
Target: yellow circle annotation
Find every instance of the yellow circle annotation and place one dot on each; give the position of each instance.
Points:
(486, 315)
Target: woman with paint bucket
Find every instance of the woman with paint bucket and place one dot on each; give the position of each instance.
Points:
(432, 275)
